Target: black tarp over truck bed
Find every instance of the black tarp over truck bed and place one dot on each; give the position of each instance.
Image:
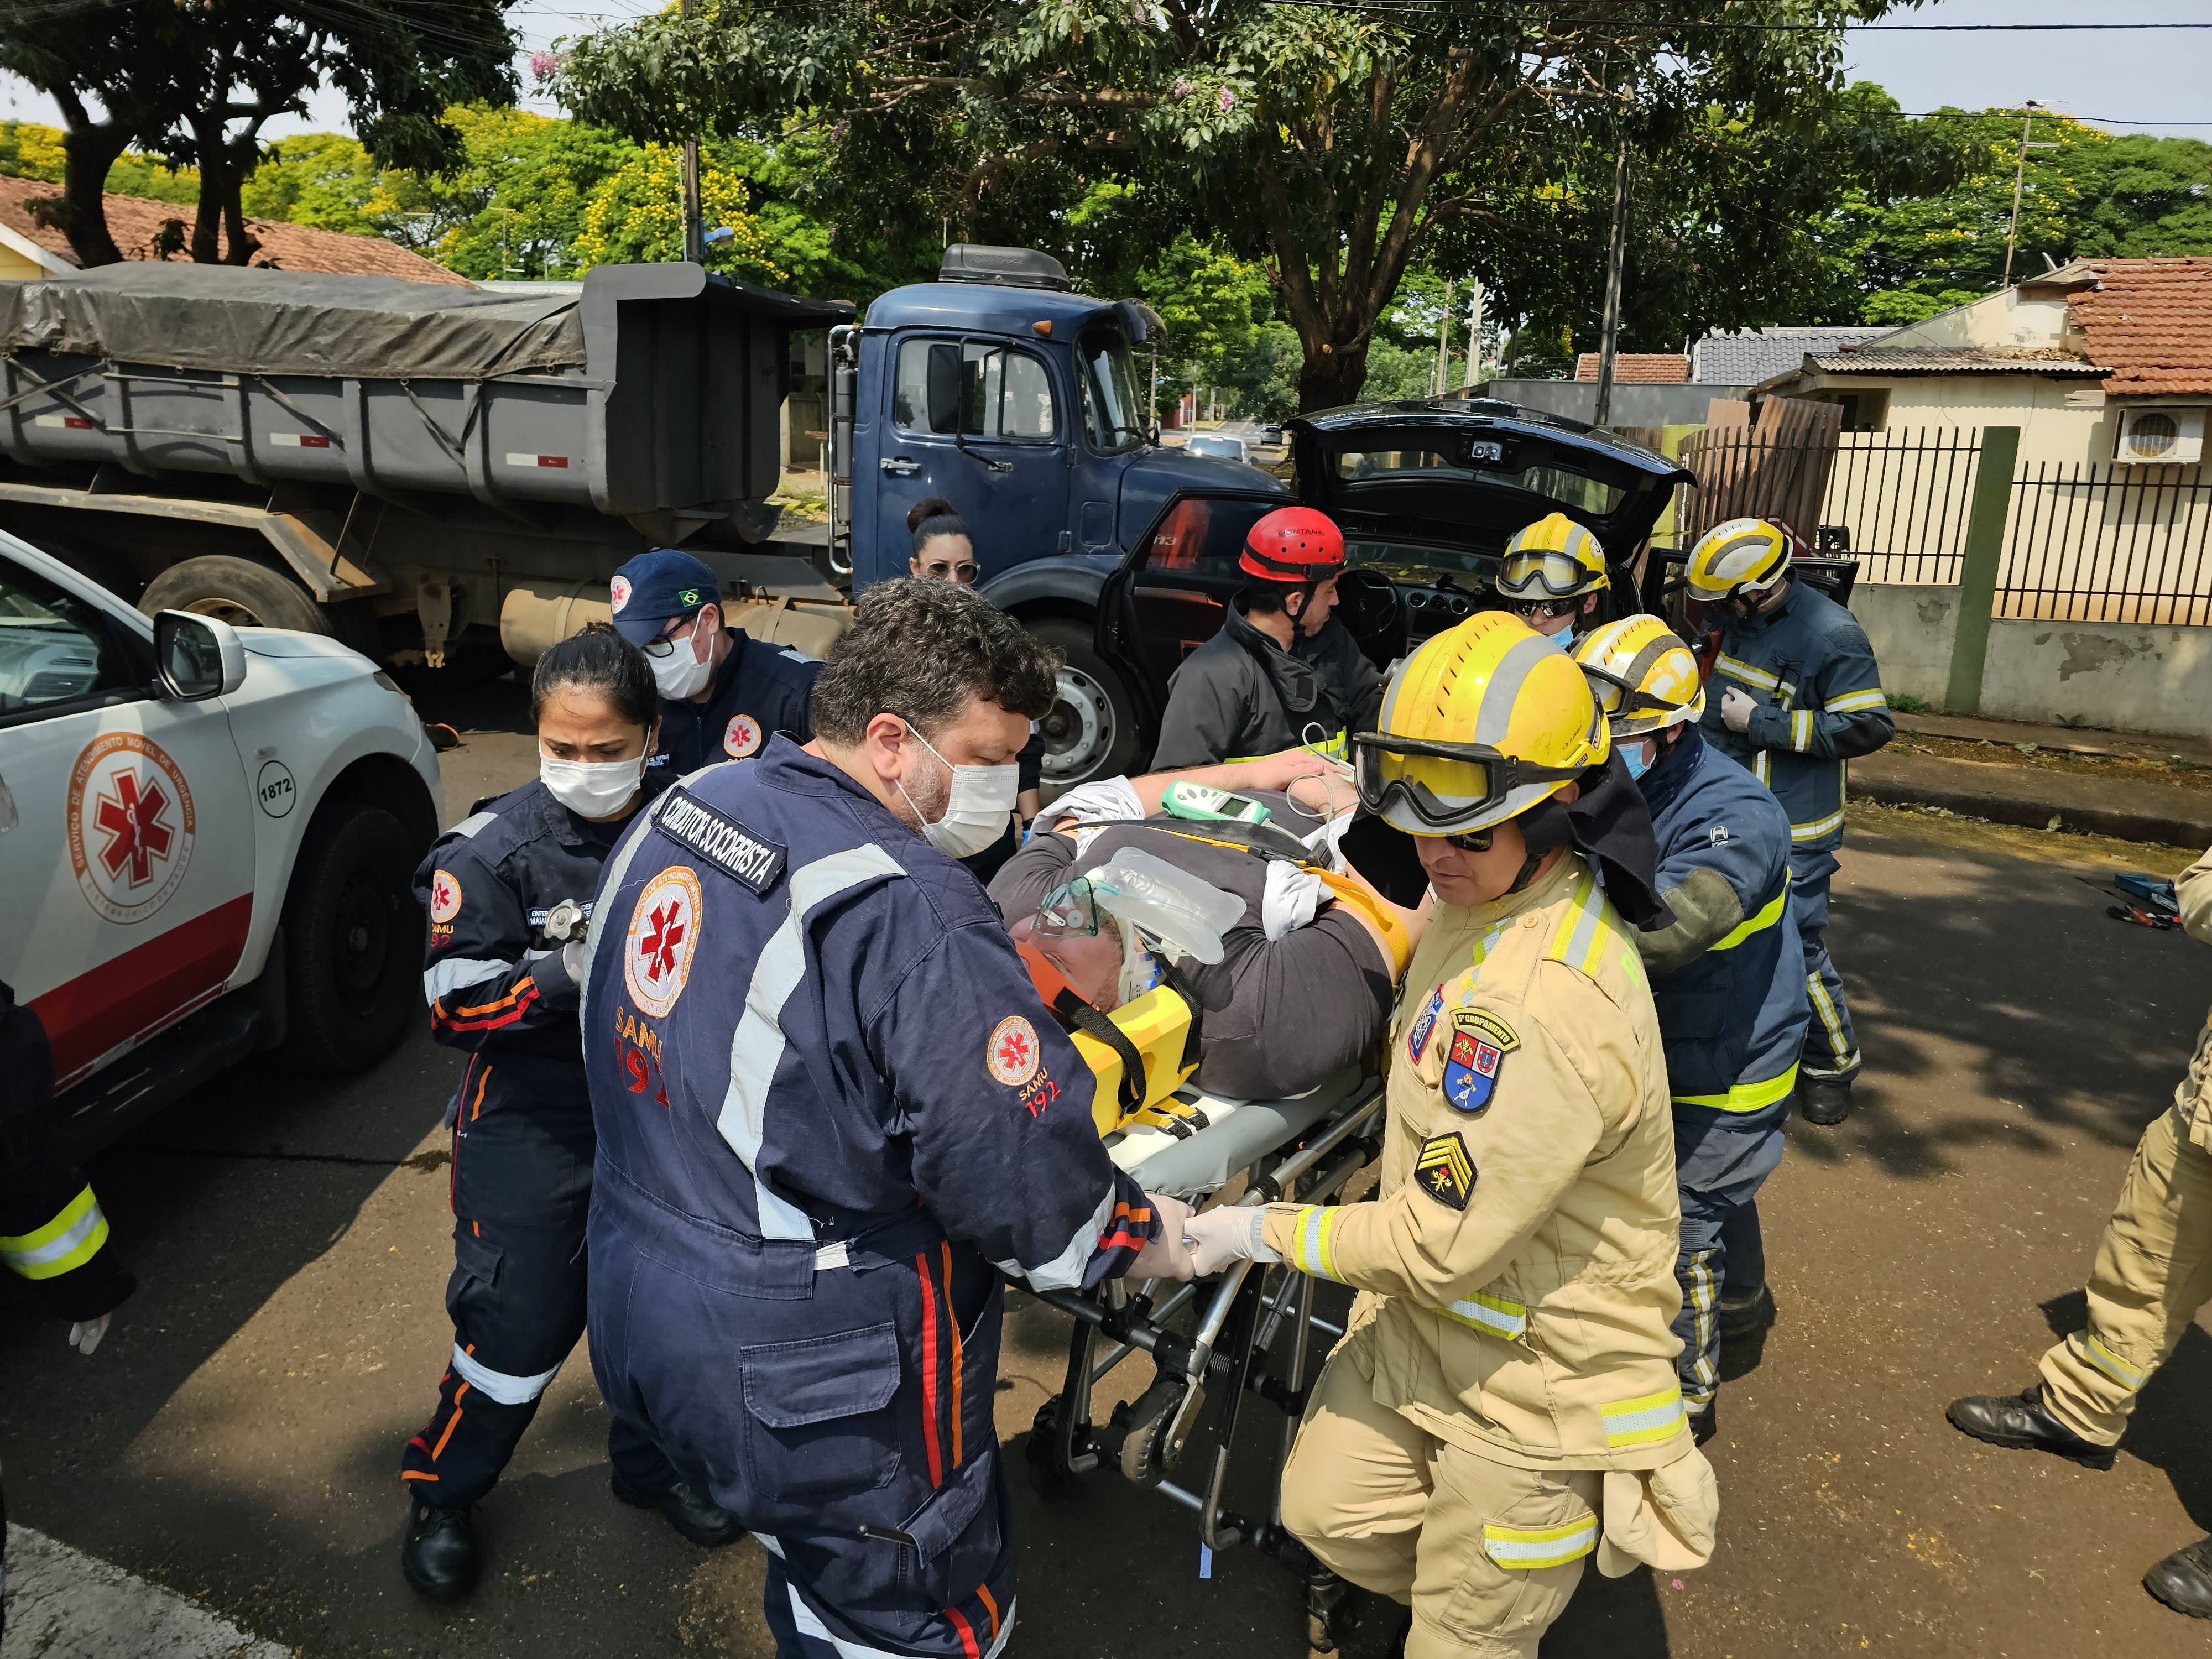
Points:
(371, 436)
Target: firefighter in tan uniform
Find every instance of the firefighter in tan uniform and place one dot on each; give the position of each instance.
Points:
(1505, 1401)
(2153, 1272)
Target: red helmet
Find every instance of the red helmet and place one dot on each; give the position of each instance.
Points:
(1294, 544)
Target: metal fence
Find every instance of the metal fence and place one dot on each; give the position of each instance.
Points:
(2097, 542)
(1898, 500)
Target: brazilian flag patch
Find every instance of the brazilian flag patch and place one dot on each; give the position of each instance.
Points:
(1444, 1171)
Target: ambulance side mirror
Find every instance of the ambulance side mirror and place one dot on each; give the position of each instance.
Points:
(197, 657)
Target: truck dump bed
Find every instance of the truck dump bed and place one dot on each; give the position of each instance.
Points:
(653, 398)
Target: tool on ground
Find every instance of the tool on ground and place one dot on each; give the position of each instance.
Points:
(2141, 918)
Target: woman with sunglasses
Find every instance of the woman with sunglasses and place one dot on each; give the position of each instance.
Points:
(1553, 572)
(1507, 1391)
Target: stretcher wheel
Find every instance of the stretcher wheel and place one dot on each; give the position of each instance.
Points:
(1143, 1423)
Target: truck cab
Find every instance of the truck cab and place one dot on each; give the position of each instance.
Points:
(1019, 400)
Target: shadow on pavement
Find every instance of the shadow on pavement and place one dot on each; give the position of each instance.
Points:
(2068, 1018)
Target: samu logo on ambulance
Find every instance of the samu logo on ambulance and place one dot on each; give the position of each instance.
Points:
(130, 826)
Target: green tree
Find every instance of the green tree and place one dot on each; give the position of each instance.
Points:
(1340, 146)
(2084, 193)
(636, 217)
(30, 149)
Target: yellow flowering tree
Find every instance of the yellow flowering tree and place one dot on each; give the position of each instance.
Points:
(636, 216)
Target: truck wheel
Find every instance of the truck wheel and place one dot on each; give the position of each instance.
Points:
(1091, 731)
(236, 591)
(353, 936)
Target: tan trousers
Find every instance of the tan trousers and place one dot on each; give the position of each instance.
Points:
(1401, 1513)
(2154, 1270)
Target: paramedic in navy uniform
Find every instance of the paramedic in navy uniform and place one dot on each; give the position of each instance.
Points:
(831, 1111)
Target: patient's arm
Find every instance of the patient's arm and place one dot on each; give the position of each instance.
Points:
(1269, 772)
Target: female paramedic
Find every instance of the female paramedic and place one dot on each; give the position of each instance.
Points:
(509, 891)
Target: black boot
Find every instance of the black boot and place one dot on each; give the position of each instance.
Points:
(1826, 1101)
(1743, 1315)
(438, 1552)
(2183, 1580)
(688, 1510)
(2024, 1422)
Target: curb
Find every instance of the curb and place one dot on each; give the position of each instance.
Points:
(2183, 823)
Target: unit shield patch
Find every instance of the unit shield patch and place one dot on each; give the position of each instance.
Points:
(1444, 1171)
(445, 896)
(618, 594)
(1479, 1043)
(662, 936)
(741, 736)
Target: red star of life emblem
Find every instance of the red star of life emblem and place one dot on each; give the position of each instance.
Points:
(135, 826)
(441, 892)
(657, 950)
(1014, 1049)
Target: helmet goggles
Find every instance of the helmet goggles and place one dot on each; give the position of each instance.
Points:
(1465, 792)
(1623, 699)
(1544, 570)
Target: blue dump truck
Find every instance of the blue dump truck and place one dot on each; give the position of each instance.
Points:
(445, 478)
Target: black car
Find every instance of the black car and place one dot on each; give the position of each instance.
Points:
(1427, 495)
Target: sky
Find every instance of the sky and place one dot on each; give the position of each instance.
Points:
(2148, 82)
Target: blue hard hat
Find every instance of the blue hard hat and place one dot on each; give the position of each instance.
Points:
(654, 586)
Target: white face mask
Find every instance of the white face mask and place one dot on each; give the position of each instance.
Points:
(680, 675)
(591, 789)
(977, 808)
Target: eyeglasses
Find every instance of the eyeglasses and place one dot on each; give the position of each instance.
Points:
(663, 643)
(1475, 841)
(1545, 607)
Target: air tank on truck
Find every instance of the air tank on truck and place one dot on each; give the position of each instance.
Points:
(445, 477)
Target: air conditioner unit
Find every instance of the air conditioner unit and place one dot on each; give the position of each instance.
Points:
(2162, 437)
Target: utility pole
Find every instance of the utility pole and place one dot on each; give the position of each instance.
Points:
(695, 228)
(2020, 178)
(1444, 341)
(1474, 330)
(1609, 332)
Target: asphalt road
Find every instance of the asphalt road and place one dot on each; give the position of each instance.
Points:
(236, 1439)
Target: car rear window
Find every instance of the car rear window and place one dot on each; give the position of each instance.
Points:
(1356, 467)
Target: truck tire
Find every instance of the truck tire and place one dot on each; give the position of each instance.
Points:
(353, 940)
(1091, 731)
(236, 591)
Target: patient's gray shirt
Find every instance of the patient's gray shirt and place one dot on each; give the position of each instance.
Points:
(1279, 1017)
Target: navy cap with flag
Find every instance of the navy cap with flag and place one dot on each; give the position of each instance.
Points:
(654, 586)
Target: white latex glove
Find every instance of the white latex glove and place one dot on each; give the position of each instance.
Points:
(1735, 709)
(576, 959)
(1168, 1255)
(1228, 1234)
(85, 1334)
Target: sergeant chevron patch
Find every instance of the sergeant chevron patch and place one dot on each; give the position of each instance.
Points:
(1444, 1171)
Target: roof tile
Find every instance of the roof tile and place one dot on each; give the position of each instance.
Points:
(136, 223)
(2151, 320)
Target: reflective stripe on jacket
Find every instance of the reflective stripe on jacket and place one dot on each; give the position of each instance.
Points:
(1728, 977)
(1807, 665)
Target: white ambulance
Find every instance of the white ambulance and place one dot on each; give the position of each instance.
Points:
(207, 836)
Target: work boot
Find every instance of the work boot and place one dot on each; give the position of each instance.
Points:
(438, 1554)
(2025, 1423)
(2183, 1580)
(1826, 1101)
(1745, 1315)
(688, 1510)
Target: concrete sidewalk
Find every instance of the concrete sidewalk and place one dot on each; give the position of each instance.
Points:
(2005, 789)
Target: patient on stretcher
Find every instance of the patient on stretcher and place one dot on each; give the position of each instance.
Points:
(1306, 972)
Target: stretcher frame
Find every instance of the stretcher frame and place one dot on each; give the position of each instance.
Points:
(1240, 1314)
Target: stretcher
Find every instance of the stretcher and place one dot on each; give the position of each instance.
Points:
(1246, 1333)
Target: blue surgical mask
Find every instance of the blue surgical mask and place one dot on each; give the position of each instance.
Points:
(1632, 756)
